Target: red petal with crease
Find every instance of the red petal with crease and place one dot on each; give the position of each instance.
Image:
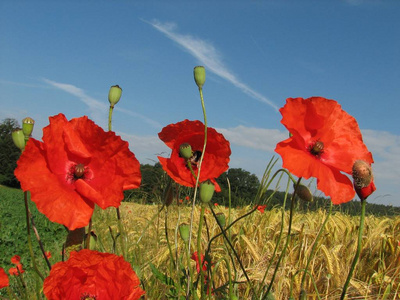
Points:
(46, 169)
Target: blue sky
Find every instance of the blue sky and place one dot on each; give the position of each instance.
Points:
(63, 56)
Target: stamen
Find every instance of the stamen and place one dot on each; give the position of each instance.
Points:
(79, 171)
(317, 149)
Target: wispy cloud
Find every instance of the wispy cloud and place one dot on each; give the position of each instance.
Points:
(252, 137)
(209, 57)
(97, 108)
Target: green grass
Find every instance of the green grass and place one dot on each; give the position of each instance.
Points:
(13, 234)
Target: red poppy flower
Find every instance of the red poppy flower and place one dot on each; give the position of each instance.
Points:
(76, 166)
(195, 257)
(4, 281)
(90, 274)
(16, 259)
(17, 270)
(215, 160)
(325, 142)
(261, 208)
(48, 254)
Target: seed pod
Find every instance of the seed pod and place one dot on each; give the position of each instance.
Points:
(114, 95)
(207, 189)
(199, 76)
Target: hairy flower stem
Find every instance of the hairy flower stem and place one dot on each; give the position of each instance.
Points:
(281, 230)
(287, 238)
(40, 243)
(28, 230)
(314, 246)
(359, 246)
(198, 176)
(199, 256)
(167, 238)
(119, 221)
(233, 250)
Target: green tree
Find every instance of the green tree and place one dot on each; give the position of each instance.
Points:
(244, 187)
(9, 153)
(151, 187)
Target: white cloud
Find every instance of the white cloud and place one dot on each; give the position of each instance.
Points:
(255, 138)
(97, 108)
(146, 148)
(209, 57)
(385, 148)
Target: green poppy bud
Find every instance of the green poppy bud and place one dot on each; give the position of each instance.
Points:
(114, 95)
(304, 193)
(27, 126)
(270, 296)
(185, 151)
(199, 76)
(184, 232)
(221, 219)
(207, 189)
(18, 138)
(303, 295)
(168, 194)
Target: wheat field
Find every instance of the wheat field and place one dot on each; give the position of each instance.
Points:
(152, 237)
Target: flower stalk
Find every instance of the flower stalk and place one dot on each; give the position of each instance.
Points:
(358, 251)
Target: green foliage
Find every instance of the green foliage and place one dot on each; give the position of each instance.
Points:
(244, 187)
(151, 187)
(9, 153)
(13, 233)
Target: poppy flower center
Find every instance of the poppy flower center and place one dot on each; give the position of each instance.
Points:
(78, 171)
(88, 297)
(317, 148)
(195, 158)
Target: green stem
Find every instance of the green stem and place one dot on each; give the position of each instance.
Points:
(233, 249)
(287, 238)
(119, 221)
(28, 229)
(110, 112)
(198, 175)
(359, 246)
(280, 232)
(199, 260)
(314, 246)
(167, 238)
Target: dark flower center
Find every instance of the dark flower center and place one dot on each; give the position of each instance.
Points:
(317, 148)
(194, 159)
(86, 296)
(77, 171)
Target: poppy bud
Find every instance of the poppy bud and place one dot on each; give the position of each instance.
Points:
(184, 232)
(27, 126)
(18, 138)
(207, 189)
(304, 193)
(221, 219)
(363, 179)
(114, 95)
(185, 151)
(168, 194)
(199, 76)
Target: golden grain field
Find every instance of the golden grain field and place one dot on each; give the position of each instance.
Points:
(254, 238)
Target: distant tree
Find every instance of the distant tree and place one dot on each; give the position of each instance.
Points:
(9, 153)
(244, 187)
(153, 181)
